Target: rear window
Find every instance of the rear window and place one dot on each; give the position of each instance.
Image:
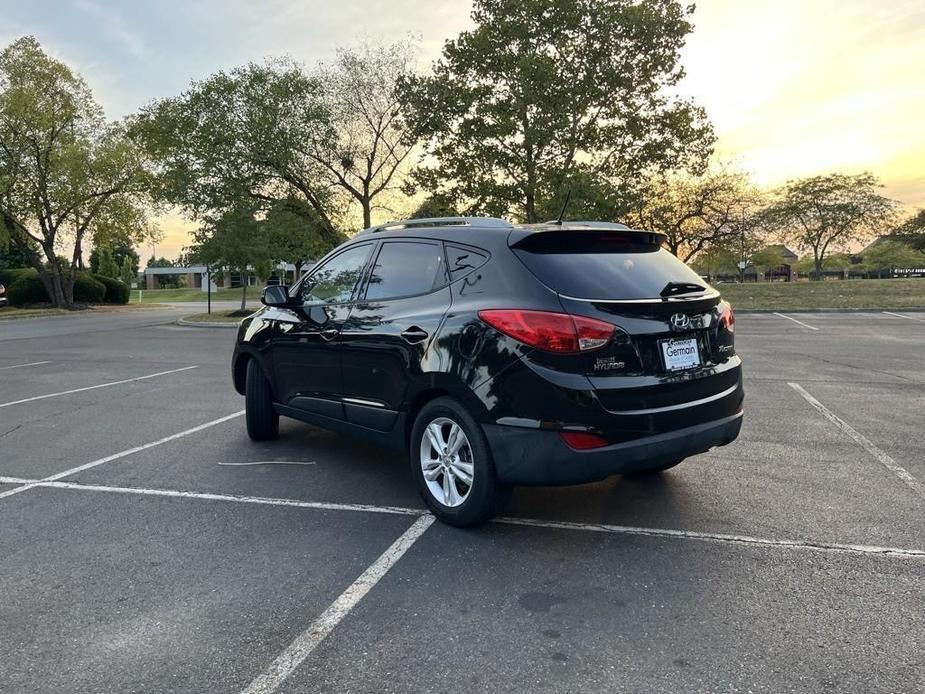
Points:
(603, 266)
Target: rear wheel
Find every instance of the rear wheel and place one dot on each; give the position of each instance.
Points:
(452, 465)
(262, 420)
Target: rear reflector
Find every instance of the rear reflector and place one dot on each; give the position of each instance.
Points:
(728, 319)
(582, 441)
(553, 332)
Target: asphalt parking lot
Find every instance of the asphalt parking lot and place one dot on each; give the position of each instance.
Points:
(146, 545)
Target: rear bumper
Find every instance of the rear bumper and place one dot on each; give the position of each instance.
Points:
(535, 457)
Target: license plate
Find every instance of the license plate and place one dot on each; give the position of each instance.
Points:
(680, 354)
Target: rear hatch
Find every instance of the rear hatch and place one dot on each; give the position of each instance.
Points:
(674, 344)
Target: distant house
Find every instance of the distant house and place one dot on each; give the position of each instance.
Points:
(194, 275)
(783, 271)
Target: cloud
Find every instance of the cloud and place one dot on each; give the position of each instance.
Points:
(114, 25)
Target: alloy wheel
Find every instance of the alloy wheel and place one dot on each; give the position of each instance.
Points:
(447, 462)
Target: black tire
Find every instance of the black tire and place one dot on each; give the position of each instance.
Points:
(262, 420)
(486, 496)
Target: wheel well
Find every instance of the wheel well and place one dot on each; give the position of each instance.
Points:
(240, 372)
(421, 399)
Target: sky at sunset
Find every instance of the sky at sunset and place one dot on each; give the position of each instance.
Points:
(793, 87)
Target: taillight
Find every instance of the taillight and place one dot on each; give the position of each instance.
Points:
(727, 319)
(553, 332)
(582, 441)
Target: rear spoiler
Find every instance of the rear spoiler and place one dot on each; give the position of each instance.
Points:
(538, 235)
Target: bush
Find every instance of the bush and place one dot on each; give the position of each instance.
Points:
(27, 288)
(116, 291)
(88, 289)
(7, 277)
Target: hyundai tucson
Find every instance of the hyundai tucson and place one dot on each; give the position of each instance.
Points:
(498, 354)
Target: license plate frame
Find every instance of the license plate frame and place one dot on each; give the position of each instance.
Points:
(680, 360)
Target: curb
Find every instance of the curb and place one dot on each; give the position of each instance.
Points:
(910, 309)
(200, 324)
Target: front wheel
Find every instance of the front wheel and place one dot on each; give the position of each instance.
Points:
(262, 420)
(452, 465)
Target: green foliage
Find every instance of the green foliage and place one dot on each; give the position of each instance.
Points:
(116, 290)
(766, 259)
(29, 289)
(716, 261)
(912, 231)
(697, 212)
(64, 169)
(106, 265)
(890, 253)
(435, 205)
(128, 272)
(10, 275)
(823, 213)
(242, 138)
(120, 251)
(294, 232)
(541, 90)
(233, 242)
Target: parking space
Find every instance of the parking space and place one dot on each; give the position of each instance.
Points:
(177, 555)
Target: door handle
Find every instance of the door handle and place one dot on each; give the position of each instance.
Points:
(415, 334)
(330, 333)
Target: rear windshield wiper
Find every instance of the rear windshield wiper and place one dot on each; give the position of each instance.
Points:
(675, 288)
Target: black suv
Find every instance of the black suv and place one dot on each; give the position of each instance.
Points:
(499, 354)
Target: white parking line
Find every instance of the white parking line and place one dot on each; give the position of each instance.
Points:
(20, 366)
(721, 538)
(101, 385)
(287, 661)
(210, 496)
(116, 456)
(716, 537)
(899, 315)
(879, 455)
(805, 325)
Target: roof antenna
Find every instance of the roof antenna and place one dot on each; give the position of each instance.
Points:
(568, 195)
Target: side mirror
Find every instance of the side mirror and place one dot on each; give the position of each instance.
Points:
(275, 295)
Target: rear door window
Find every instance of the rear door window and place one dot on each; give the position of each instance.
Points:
(462, 260)
(406, 268)
(609, 266)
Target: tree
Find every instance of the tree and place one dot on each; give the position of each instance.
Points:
(121, 249)
(128, 271)
(106, 266)
(888, 254)
(62, 166)
(912, 231)
(714, 261)
(244, 138)
(543, 90)
(294, 233)
(696, 213)
(234, 243)
(766, 259)
(371, 141)
(829, 212)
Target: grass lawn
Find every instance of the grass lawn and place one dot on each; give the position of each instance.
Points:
(154, 296)
(215, 317)
(13, 312)
(888, 294)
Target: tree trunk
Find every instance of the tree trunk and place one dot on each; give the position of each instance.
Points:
(244, 294)
(367, 213)
(59, 285)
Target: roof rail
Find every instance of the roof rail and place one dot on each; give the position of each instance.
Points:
(493, 222)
